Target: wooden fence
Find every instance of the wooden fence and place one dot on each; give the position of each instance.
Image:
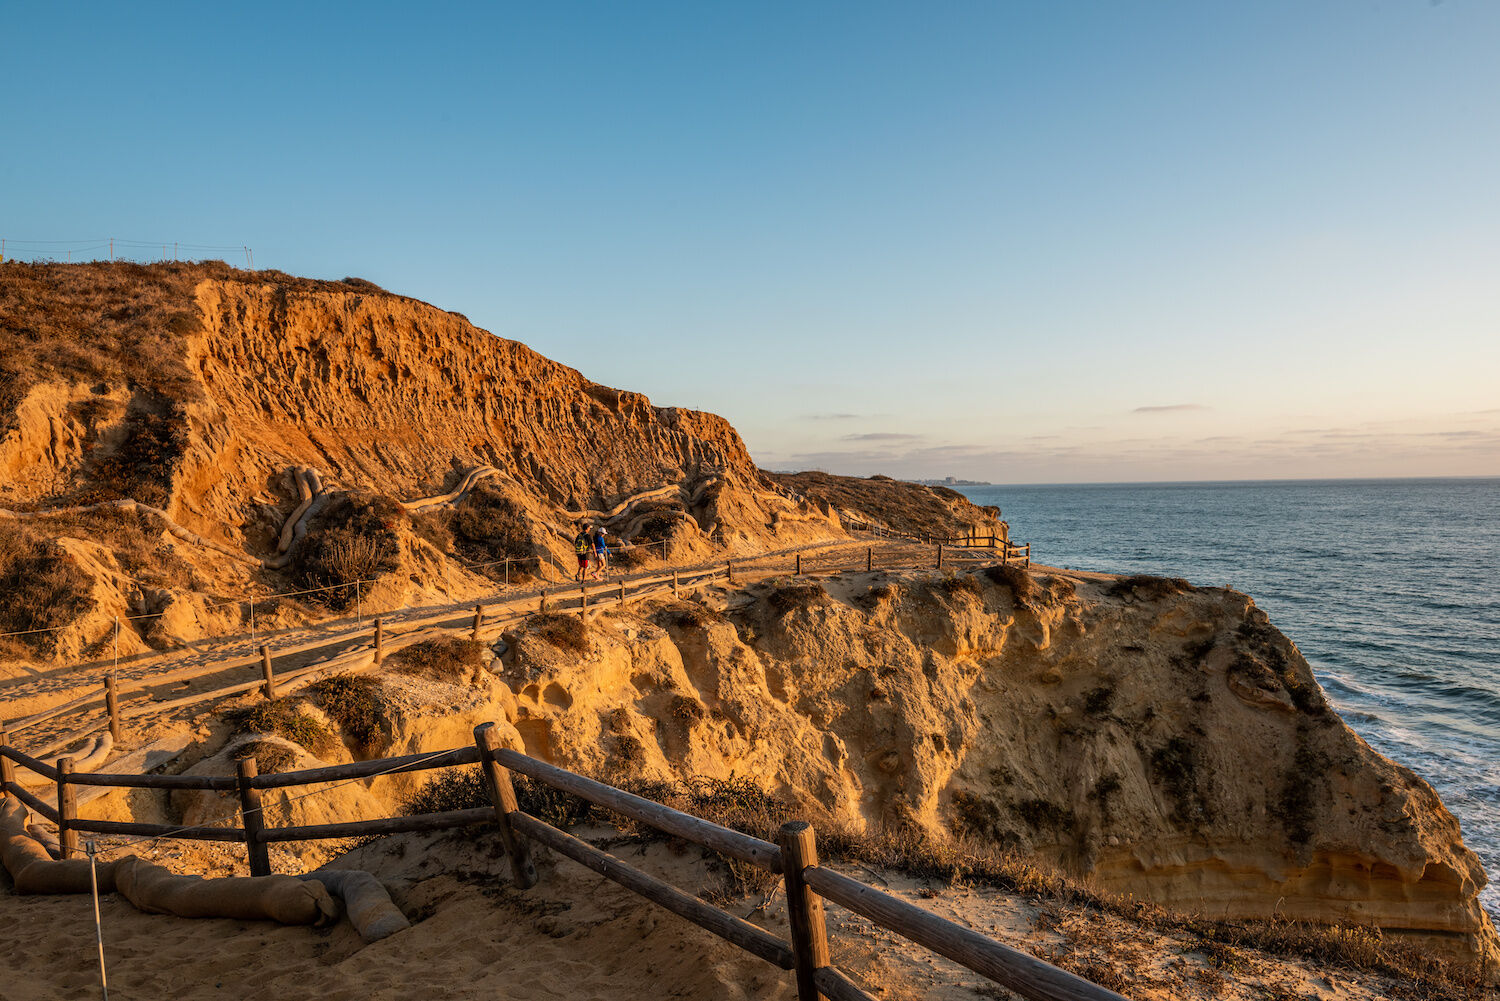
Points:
(110, 692)
(794, 857)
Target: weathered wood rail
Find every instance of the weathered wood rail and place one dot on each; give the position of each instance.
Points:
(795, 857)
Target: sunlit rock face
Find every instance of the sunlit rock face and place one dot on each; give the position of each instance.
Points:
(1165, 741)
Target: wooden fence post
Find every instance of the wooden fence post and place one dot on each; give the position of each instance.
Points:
(67, 809)
(622, 592)
(541, 604)
(729, 571)
(675, 591)
(112, 703)
(379, 641)
(252, 818)
(798, 572)
(869, 558)
(940, 556)
(522, 870)
(269, 684)
(478, 620)
(804, 908)
(583, 602)
(7, 767)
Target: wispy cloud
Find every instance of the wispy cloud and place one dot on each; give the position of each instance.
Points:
(1170, 408)
(882, 436)
(836, 417)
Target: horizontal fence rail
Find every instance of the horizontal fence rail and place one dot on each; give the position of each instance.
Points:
(125, 701)
(807, 883)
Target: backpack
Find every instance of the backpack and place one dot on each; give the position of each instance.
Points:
(583, 544)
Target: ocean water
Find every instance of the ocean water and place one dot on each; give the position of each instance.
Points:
(1390, 588)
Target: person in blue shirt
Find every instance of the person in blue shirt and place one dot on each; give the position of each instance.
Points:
(601, 551)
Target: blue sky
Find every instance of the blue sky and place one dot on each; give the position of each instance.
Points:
(1011, 241)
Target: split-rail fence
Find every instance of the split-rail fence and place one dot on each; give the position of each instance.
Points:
(794, 856)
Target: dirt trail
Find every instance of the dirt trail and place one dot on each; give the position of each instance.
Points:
(214, 663)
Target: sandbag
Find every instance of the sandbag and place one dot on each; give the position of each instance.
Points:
(47, 839)
(366, 902)
(33, 870)
(286, 899)
(85, 759)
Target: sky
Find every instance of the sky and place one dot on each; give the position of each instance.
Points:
(1016, 242)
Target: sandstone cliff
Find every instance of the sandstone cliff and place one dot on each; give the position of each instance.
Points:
(1163, 740)
(197, 423)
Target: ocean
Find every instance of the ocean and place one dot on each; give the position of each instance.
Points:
(1390, 588)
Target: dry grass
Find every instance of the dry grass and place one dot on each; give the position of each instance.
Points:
(270, 757)
(907, 507)
(446, 658)
(566, 632)
(354, 537)
(43, 589)
(786, 597)
(136, 541)
(686, 615)
(284, 718)
(124, 325)
(1145, 587)
(353, 702)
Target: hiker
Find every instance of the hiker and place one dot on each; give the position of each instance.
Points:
(601, 551)
(583, 545)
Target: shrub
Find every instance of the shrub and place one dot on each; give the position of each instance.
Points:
(353, 702)
(269, 756)
(354, 537)
(284, 718)
(958, 585)
(1146, 587)
(1023, 586)
(686, 615)
(43, 588)
(566, 632)
(144, 463)
(784, 598)
(496, 523)
(446, 658)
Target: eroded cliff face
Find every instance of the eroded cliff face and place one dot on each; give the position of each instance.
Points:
(1165, 741)
(178, 411)
(396, 396)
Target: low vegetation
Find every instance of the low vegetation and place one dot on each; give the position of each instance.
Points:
(905, 507)
(43, 589)
(1145, 587)
(353, 702)
(355, 537)
(287, 718)
(566, 632)
(445, 658)
(785, 597)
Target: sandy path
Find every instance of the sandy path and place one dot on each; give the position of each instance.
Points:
(577, 936)
(237, 658)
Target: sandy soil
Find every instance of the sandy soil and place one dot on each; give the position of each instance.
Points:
(577, 936)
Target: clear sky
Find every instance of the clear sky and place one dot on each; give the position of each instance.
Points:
(1010, 241)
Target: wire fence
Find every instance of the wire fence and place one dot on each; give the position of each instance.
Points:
(114, 249)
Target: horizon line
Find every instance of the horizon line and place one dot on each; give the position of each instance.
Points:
(1168, 483)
